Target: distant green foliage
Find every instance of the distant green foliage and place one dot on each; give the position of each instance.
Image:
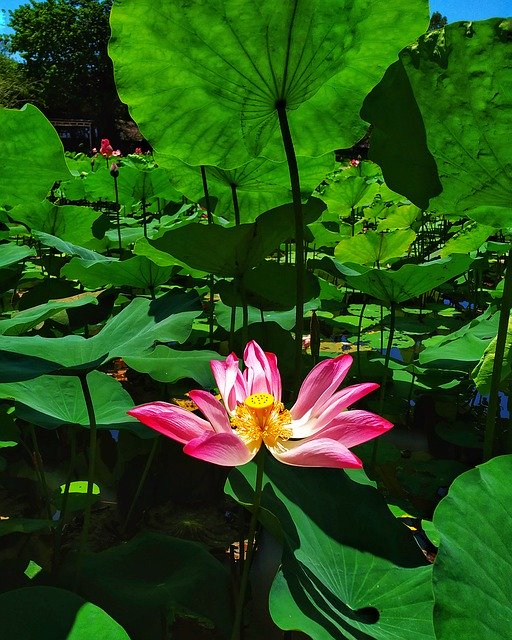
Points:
(63, 45)
(15, 88)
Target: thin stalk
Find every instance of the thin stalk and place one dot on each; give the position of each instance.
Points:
(90, 475)
(38, 464)
(211, 279)
(299, 238)
(63, 511)
(236, 207)
(359, 329)
(492, 409)
(118, 219)
(232, 327)
(239, 283)
(388, 356)
(245, 313)
(239, 608)
(142, 482)
(382, 395)
(144, 217)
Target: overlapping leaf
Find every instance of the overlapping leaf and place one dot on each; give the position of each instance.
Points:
(31, 156)
(473, 570)
(134, 330)
(350, 570)
(442, 117)
(203, 78)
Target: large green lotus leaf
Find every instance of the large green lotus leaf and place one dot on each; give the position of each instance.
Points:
(473, 569)
(243, 246)
(471, 238)
(374, 247)
(322, 236)
(134, 330)
(23, 525)
(482, 373)
(169, 365)
(67, 247)
(406, 283)
(11, 253)
(142, 247)
(260, 183)
(445, 109)
(31, 156)
(48, 613)
(133, 185)
(399, 217)
(70, 223)
(461, 349)
(53, 401)
(203, 78)
(135, 272)
(285, 319)
(269, 286)
(153, 578)
(346, 194)
(349, 569)
(29, 318)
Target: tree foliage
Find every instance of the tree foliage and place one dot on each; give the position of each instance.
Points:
(63, 44)
(15, 88)
(437, 21)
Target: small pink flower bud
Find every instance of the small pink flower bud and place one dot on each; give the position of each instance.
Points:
(106, 148)
(114, 170)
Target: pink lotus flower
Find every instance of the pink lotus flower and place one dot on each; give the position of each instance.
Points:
(138, 151)
(316, 432)
(106, 148)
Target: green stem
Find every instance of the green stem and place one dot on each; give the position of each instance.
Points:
(92, 466)
(299, 238)
(118, 219)
(501, 338)
(382, 395)
(239, 282)
(63, 510)
(144, 217)
(142, 482)
(359, 330)
(38, 463)
(211, 279)
(236, 207)
(260, 462)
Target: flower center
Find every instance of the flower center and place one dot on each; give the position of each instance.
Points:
(259, 418)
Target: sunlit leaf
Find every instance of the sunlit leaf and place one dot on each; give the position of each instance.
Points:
(473, 569)
(31, 156)
(440, 130)
(48, 613)
(203, 78)
(349, 569)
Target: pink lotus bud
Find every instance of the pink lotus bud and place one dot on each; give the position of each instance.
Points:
(138, 151)
(106, 148)
(354, 162)
(114, 170)
(117, 153)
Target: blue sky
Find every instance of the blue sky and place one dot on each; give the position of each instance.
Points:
(471, 9)
(453, 9)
